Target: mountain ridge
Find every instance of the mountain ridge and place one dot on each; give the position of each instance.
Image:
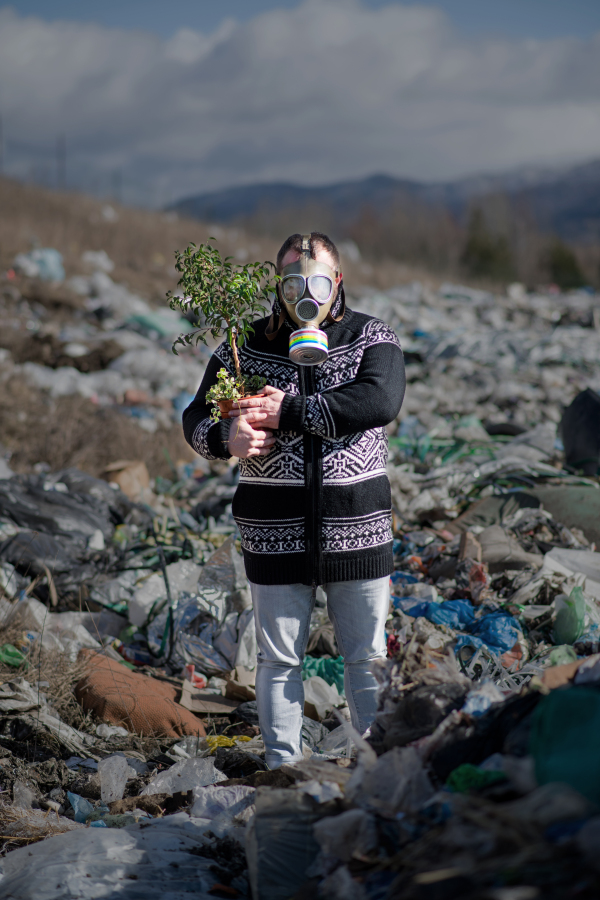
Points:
(564, 200)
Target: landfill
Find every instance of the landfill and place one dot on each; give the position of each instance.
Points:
(131, 759)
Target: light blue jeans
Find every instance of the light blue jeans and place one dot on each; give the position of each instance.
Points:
(358, 611)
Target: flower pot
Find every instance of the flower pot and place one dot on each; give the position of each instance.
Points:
(227, 405)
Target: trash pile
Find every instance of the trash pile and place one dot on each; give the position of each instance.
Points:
(90, 337)
(127, 681)
(131, 760)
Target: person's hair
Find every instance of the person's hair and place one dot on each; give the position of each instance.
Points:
(318, 241)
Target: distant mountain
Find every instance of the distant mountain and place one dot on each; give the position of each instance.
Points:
(565, 201)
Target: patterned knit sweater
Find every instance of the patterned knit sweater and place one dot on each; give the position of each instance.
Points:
(317, 508)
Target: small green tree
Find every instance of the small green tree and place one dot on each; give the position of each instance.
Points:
(486, 256)
(563, 266)
(222, 298)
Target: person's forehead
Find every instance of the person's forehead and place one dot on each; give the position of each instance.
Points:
(321, 254)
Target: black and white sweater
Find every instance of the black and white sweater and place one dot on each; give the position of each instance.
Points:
(317, 508)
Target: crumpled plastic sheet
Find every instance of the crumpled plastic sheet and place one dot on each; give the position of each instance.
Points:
(213, 646)
(224, 808)
(153, 860)
(184, 776)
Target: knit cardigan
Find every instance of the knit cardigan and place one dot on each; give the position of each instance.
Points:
(317, 508)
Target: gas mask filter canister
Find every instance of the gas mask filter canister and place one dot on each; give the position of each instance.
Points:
(307, 290)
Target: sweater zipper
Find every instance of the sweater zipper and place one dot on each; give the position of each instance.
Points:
(312, 477)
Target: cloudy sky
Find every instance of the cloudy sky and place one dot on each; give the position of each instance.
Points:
(184, 96)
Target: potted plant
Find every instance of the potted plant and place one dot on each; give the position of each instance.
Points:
(223, 298)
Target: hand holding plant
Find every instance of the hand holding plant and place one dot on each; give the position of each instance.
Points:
(230, 388)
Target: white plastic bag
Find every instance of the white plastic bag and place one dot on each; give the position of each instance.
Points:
(184, 776)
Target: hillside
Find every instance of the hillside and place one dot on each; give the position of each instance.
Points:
(564, 201)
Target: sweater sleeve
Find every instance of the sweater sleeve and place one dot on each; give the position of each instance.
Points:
(371, 400)
(207, 438)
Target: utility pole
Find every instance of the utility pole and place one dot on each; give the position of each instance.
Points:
(61, 162)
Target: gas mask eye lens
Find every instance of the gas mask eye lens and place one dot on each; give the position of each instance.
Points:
(320, 287)
(292, 288)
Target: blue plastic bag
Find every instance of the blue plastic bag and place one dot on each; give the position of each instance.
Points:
(81, 807)
(457, 614)
(498, 630)
(403, 577)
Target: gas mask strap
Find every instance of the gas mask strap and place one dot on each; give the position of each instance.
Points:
(271, 332)
(339, 318)
(306, 243)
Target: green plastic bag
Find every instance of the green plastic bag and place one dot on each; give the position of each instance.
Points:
(565, 736)
(562, 655)
(10, 656)
(570, 618)
(330, 670)
(468, 777)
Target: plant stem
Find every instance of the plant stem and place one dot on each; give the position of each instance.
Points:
(236, 359)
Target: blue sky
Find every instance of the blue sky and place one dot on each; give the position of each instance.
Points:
(184, 97)
(513, 18)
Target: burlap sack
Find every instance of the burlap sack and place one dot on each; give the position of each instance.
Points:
(139, 703)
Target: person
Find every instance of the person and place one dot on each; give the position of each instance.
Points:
(313, 503)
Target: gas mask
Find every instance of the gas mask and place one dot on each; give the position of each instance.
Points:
(307, 291)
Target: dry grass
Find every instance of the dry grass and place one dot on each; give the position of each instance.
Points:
(27, 826)
(55, 669)
(142, 242)
(73, 431)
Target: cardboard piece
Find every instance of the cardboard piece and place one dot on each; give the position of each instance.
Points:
(241, 684)
(131, 476)
(556, 676)
(203, 702)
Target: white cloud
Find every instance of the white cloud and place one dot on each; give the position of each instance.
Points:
(326, 91)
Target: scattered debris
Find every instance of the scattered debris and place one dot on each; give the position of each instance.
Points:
(127, 644)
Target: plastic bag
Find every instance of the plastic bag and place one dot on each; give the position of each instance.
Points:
(81, 807)
(280, 844)
(324, 697)
(353, 832)
(498, 630)
(335, 743)
(570, 617)
(45, 263)
(312, 732)
(113, 771)
(183, 578)
(580, 430)
(226, 808)
(468, 777)
(420, 711)
(184, 776)
(330, 670)
(457, 614)
(565, 736)
(397, 782)
(103, 862)
(11, 656)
